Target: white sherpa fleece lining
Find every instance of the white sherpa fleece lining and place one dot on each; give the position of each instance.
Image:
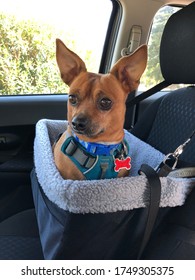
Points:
(108, 195)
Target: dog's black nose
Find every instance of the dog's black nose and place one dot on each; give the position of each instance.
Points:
(79, 123)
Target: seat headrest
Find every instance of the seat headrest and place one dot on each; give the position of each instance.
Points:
(177, 50)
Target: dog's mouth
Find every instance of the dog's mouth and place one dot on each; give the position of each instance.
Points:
(88, 131)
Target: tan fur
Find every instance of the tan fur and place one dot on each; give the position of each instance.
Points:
(104, 125)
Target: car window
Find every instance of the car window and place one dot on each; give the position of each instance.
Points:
(28, 30)
(152, 75)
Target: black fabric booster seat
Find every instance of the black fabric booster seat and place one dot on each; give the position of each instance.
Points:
(106, 219)
(95, 219)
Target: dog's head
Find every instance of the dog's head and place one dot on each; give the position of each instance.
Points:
(96, 106)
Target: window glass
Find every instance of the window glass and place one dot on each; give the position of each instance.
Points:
(152, 75)
(28, 30)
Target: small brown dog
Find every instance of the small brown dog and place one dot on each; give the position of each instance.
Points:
(93, 146)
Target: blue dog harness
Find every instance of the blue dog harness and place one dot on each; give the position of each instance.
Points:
(95, 160)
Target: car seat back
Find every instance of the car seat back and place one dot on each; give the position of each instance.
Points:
(170, 121)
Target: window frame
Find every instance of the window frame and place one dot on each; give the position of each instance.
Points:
(111, 37)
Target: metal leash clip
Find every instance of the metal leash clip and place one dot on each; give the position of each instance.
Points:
(164, 169)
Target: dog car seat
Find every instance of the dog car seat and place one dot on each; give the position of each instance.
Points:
(96, 209)
(105, 219)
(92, 235)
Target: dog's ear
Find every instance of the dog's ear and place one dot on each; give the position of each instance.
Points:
(128, 69)
(69, 63)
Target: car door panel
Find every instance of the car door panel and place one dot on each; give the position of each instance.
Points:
(18, 117)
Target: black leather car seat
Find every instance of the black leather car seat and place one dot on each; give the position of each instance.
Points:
(166, 124)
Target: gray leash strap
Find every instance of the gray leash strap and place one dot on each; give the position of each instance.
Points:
(186, 172)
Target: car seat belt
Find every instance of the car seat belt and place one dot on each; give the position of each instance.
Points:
(147, 93)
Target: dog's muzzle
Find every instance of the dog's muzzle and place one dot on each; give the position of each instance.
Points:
(82, 124)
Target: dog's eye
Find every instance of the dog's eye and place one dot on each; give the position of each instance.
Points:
(105, 104)
(73, 99)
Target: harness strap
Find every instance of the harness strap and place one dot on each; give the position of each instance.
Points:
(73, 149)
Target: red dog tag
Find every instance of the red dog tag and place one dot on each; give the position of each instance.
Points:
(122, 163)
